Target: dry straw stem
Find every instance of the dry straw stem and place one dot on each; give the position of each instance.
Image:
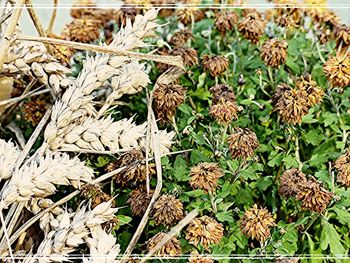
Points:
(53, 18)
(6, 41)
(170, 60)
(173, 232)
(167, 77)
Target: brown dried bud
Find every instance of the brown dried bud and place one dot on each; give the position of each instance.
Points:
(342, 35)
(180, 38)
(314, 92)
(342, 164)
(288, 16)
(291, 182)
(189, 14)
(222, 92)
(136, 171)
(274, 52)
(281, 88)
(204, 231)
(205, 176)
(139, 200)
(170, 248)
(82, 8)
(292, 105)
(242, 143)
(225, 21)
(196, 258)
(94, 193)
(252, 27)
(168, 210)
(124, 13)
(167, 98)
(215, 65)
(34, 110)
(314, 197)
(337, 69)
(189, 55)
(224, 112)
(83, 30)
(256, 223)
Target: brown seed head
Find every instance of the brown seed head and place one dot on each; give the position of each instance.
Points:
(288, 15)
(314, 197)
(256, 223)
(291, 182)
(94, 193)
(252, 27)
(225, 21)
(342, 35)
(83, 30)
(189, 55)
(181, 37)
(281, 88)
(168, 210)
(204, 231)
(314, 93)
(196, 258)
(215, 65)
(274, 52)
(189, 14)
(34, 110)
(242, 143)
(167, 98)
(342, 164)
(337, 69)
(136, 170)
(224, 112)
(171, 248)
(205, 176)
(124, 13)
(292, 105)
(139, 200)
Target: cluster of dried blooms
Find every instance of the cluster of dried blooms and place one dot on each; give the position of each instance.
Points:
(311, 193)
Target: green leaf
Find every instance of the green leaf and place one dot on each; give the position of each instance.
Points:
(330, 238)
(123, 220)
(292, 65)
(180, 169)
(224, 216)
(314, 137)
(343, 215)
(329, 118)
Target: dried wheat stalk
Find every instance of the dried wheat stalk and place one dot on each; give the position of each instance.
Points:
(8, 156)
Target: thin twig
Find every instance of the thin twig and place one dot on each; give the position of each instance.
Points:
(53, 18)
(7, 38)
(173, 232)
(12, 101)
(170, 60)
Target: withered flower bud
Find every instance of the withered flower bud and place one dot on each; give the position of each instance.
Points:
(242, 143)
(256, 223)
(189, 55)
(252, 27)
(167, 98)
(180, 38)
(274, 52)
(225, 21)
(337, 69)
(94, 193)
(83, 30)
(205, 176)
(170, 248)
(215, 65)
(168, 210)
(342, 164)
(291, 182)
(204, 231)
(189, 14)
(314, 92)
(139, 200)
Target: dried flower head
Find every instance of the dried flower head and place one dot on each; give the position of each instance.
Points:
(189, 14)
(222, 92)
(181, 37)
(83, 30)
(61, 52)
(34, 110)
(205, 176)
(215, 65)
(292, 104)
(225, 21)
(342, 164)
(168, 210)
(196, 258)
(124, 13)
(167, 98)
(170, 248)
(242, 143)
(288, 15)
(314, 197)
(189, 55)
(337, 69)
(252, 27)
(256, 223)
(82, 8)
(94, 193)
(281, 88)
(291, 182)
(314, 92)
(342, 35)
(205, 231)
(287, 260)
(274, 52)
(139, 200)
(136, 170)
